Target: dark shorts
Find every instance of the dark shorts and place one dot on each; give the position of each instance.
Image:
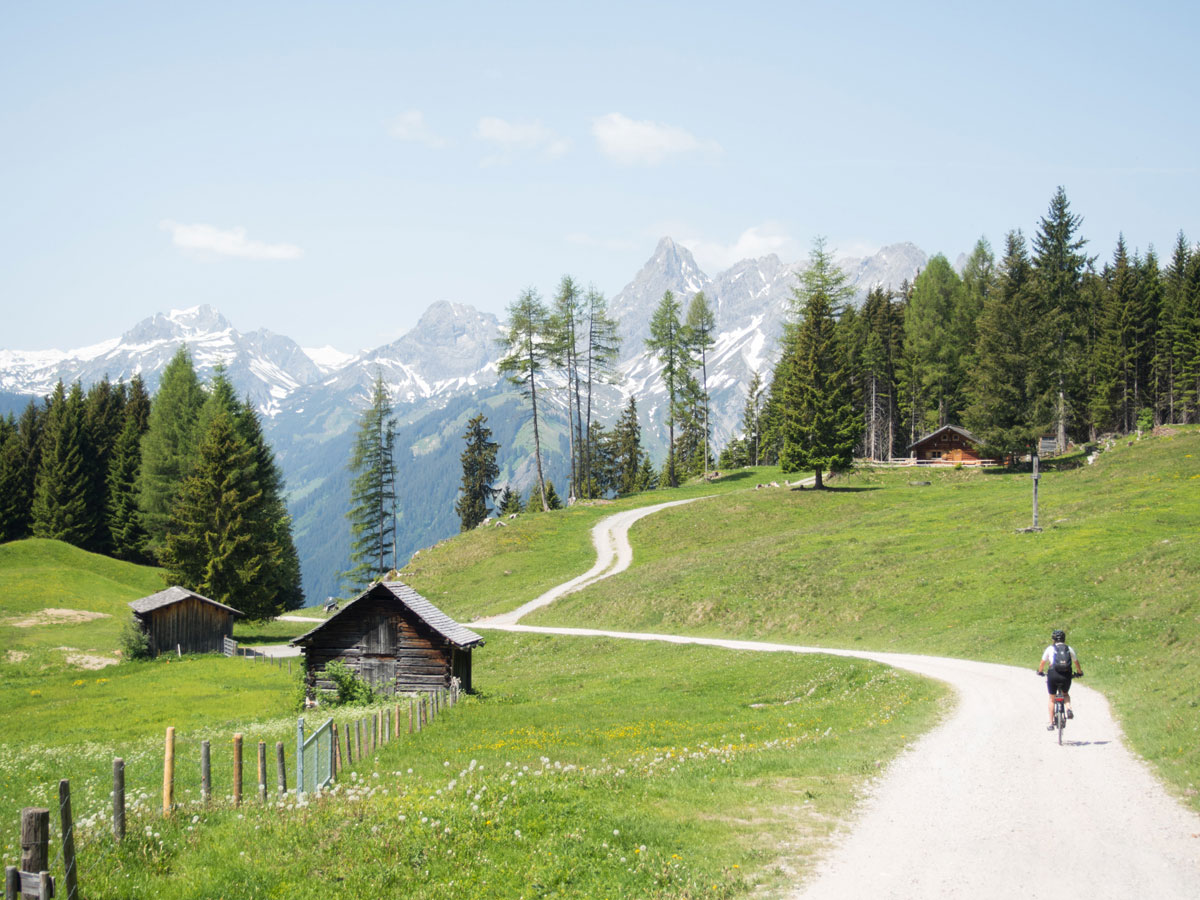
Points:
(1055, 679)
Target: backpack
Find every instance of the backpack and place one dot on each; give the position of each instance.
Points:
(1062, 659)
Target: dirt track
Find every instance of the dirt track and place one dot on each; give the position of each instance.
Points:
(987, 805)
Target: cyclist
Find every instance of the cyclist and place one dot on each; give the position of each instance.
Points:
(1057, 664)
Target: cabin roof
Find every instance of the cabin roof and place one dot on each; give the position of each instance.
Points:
(172, 595)
(438, 621)
(933, 434)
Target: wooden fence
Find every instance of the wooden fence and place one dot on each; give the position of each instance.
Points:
(320, 758)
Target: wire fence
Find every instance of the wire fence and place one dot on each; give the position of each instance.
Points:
(197, 772)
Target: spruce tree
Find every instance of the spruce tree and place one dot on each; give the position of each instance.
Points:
(1173, 331)
(61, 493)
(527, 351)
(668, 343)
(1058, 269)
(820, 426)
(1114, 362)
(752, 418)
(700, 330)
(168, 446)
(552, 499)
(20, 458)
(127, 536)
(935, 342)
(479, 473)
(373, 511)
(214, 542)
(510, 501)
(1002, 408)
(104, 418)
(627, 449)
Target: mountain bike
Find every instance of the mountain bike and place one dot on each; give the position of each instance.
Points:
(1060, 708)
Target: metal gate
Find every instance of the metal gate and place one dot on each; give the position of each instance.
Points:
(314, 758)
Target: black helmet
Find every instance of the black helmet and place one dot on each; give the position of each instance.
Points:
(1058, 636)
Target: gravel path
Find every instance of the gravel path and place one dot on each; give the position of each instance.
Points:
(987, 805)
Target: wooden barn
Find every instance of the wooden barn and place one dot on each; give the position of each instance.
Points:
(949, 445)
(394, 639)
(181, 618)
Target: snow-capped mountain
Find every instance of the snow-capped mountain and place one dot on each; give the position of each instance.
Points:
(439, 374)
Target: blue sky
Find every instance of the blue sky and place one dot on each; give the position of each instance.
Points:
(329, 170)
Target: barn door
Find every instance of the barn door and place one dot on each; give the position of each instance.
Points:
(380, 674)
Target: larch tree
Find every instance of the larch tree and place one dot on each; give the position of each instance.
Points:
(527, 352)
(479, 473)
(373, 512)
(668, 343)
(600, 358)
(819, 424)
(565, 327)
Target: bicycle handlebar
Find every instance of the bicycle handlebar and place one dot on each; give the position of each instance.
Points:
(1043, 674)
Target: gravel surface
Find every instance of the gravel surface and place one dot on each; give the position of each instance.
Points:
(987, 805)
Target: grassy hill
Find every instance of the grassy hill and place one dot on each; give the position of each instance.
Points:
(888, 562)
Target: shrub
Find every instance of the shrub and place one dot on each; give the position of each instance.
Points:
(135, 643)
(349, 688)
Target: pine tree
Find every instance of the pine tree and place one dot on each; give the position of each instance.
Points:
(61, 491)
(820, 426)
(667, 342)
(372, 511)
(168, 446)
(699, 329)
(1058, 268)
(479, 473)
(527, 352)
(1002, 408)
(20, 458)
(214, 541)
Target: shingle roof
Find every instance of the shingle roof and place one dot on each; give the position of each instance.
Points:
(456, 634)
(174, 594)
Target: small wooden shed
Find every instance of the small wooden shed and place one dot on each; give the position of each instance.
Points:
(394, 639)
(181, 618)
(950, 445)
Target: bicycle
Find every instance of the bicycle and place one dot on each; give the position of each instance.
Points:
(1060, 708)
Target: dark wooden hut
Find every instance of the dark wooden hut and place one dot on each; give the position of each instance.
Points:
(181, 618)
(950, 445)
(394, 639)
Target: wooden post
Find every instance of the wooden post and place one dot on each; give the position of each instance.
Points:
(337, 751)
(35, 840)
(281, 765)
(12, 883)
(168, 774)
(396, 722)
(237, 770)
(262, 771)
(357, 739)
(205, 772)
(410, 715)
(118, 800)
(66, 832)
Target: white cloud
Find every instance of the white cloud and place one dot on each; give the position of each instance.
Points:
(520, 136)
(412, 128)
(226, 242)
(630, 142)
(761, 240)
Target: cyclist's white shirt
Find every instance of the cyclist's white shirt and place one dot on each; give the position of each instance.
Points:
(1048, 656)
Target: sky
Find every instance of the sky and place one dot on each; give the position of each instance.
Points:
(329, 170)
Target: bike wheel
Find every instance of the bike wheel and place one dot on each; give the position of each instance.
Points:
(1062, 724)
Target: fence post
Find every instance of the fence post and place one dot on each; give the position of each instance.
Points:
(337, 751)
(205, 772)
(35, 839)
(281, 766)
(262, 771)
(299, 757)
(66, 832)
(168, 773)
(396, 723)
(410, 715)
(12, 883)
(118, 799)
(357, 740)
(237, 769)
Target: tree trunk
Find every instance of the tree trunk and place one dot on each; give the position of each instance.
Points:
(537, 441)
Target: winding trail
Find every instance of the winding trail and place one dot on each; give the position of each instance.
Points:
(986, 805)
